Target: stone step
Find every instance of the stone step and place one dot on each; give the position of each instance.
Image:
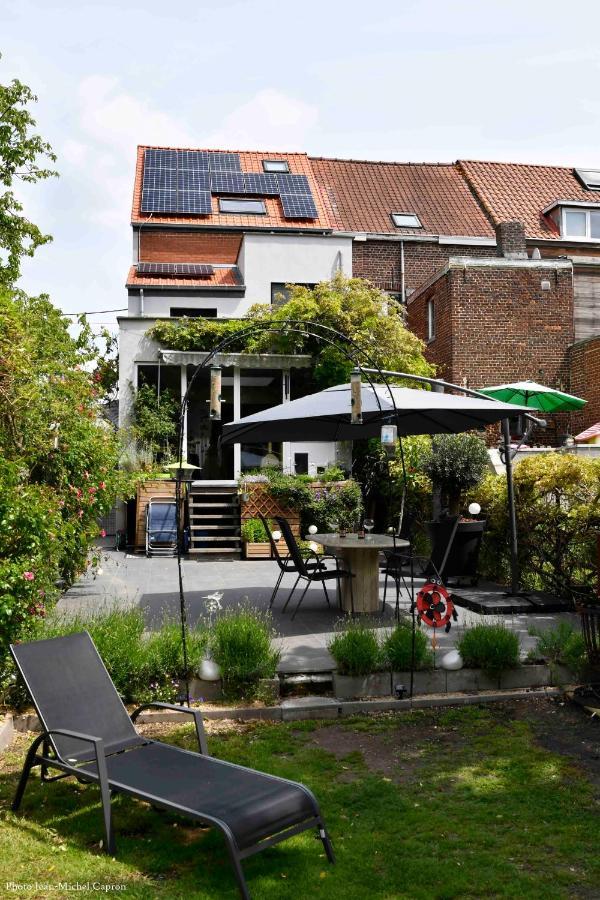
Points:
(199, 550)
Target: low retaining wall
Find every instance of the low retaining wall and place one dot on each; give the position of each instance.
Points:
(7, 732)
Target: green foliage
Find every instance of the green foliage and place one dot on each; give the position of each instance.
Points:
(254, 532)
(351, 307)
(355, 648)
(291, 491)
(493, 648)
(142, 668)
(334, 503)
(456, 463)
(155, 421)
(241, 646)
(558, 513)
(561, 645)
(332, 473)
(397, 648)
(20, 150)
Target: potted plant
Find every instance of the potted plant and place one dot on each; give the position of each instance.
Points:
(255, 539)
(359, 662)
(456, 463)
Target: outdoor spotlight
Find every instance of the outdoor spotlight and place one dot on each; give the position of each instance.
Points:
(399, 691)
(474, 509)
(276, 535)
(215, 392)
(355, 398)
(569, 441)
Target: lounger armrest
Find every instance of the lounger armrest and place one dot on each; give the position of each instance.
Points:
(188, 710)
(97, 743)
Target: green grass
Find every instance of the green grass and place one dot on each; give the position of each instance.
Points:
(467, 805)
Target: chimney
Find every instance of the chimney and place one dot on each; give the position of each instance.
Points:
(510, 240)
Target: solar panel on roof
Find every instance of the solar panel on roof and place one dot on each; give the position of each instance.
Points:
(227, 183)
(257, 183)
(194, 202)
(298, 206)
(192, 159)
(160, 179)
(160, 159)
(183, 270)
(294, 184)
(159, 201)
(224, 162)
(193, 180)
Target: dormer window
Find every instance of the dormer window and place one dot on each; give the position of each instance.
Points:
(406, 220)
(276, 165)
(581, 224)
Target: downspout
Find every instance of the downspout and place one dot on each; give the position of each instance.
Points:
(402, 289)
(141, 301)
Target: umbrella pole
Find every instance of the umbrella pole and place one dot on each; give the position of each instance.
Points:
(514, 560)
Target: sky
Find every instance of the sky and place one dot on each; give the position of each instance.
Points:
(407, 80)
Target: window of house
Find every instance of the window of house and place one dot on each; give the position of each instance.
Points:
(406, 220)
(242, 207)
(193, 312)
(280, 294)
(583, 224)
(275, 165)
(430, 320)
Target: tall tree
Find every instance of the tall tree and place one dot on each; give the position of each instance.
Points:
(21, 150)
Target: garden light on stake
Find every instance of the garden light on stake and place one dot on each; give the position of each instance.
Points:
(355, 398)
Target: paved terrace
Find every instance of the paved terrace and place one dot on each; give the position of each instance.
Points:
(151, 584)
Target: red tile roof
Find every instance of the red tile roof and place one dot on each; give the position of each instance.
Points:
(251, 161)
(515, 191)
(363, 194)
(222, 277)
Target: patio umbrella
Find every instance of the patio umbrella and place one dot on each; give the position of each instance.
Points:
(325, 416)
(534, 396)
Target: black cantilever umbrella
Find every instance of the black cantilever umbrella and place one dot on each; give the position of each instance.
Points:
(325, 416)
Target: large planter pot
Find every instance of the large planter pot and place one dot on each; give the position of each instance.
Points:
(463, 557)
(347, 687)
(260, 550)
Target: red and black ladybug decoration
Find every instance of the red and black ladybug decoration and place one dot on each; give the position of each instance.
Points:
(435, 606)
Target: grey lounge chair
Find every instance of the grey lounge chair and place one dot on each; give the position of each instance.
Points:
(88, 733)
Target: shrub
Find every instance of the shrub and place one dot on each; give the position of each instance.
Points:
(456, 463)
(241, 646)
(341, 503)
(254, 532)
(397, 648)
(493, 648)
(558, 513)
(355, 649)
(561, 645)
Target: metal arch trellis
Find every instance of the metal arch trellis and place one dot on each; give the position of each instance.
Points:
(327, 335)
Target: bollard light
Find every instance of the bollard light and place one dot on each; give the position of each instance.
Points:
(474, 509)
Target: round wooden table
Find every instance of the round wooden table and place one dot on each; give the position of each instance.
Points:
(361, 556)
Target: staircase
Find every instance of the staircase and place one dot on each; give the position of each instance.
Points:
(214, 517)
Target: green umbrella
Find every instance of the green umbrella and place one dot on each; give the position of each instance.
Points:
(536, 396)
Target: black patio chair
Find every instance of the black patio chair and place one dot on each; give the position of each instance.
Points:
(319, 573)
(87, 733)
(286, 563)
(399, 559)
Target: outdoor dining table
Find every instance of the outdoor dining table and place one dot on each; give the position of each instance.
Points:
(361, 555)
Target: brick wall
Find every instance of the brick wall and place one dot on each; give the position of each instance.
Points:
(497, 324)
(189, 246)
(379, 261)
(585, 382)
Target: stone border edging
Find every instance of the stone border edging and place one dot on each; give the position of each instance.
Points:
(7, 732)
(325, 708)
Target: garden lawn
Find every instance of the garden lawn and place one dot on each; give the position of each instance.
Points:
(454, 803)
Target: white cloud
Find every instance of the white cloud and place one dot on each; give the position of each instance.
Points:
(271, 120)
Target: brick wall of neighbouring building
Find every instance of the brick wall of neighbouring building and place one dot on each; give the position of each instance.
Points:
(585, 382)
(379, 261)
(189, 246)
(495, 322)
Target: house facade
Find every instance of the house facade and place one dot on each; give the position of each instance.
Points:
(498, 266)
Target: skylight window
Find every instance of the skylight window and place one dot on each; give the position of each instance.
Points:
(590, 178)
(242, 207)
(275, 165)
(406, 220)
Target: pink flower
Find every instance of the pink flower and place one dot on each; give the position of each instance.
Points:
(28, 576)
(80, 513)
(103, 533)
(79, 492)
(102, 485)
(92, 490)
